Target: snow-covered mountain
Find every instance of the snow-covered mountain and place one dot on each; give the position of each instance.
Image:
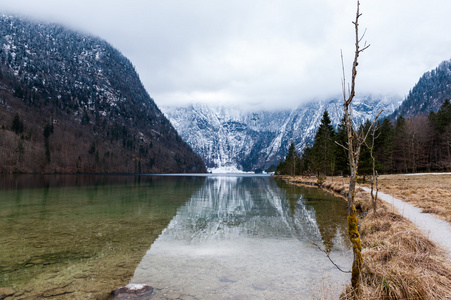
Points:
(230, 139)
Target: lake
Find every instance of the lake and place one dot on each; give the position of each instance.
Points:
(189, 237)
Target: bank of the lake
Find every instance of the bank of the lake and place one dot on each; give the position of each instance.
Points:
(400, 262)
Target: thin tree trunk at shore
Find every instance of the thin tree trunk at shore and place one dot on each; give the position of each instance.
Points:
(353, 146)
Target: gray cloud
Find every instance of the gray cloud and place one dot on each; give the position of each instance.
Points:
(263, 54)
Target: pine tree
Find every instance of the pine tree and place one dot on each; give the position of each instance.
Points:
(442, 118)
(291, 164)
(17, 124)
(440, 152)
(384, 145)
(399, 155)
(292, 160)
(48, 130)
(306, 161)
(366, 162)
(324, 147)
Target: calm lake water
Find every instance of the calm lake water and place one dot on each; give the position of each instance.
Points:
(190, 237)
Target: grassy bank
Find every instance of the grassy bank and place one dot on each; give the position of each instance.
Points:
(400, 262)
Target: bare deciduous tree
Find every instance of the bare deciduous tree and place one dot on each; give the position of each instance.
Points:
(354, 145)
(374, 178)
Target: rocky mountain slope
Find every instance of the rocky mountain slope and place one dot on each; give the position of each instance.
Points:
(229, 139)
(428, 94)
(81, 107)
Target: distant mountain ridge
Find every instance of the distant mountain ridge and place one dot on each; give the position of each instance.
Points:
(428, 94)
(229, 139)
(102, 118)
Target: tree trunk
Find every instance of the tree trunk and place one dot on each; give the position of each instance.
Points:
(353, 229)
(354, 145)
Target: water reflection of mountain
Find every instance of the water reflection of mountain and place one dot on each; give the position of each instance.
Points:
(229, 207)
(249, 238)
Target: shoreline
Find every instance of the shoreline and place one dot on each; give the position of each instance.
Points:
(400, 261)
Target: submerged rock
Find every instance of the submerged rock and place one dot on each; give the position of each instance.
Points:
(132, 291)
(228, 278)
(57, 292)
(262, 285)
(6, 292)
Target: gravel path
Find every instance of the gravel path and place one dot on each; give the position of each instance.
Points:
(437, 230)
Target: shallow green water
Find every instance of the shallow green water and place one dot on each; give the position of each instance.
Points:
(70, 230)
(58, 226)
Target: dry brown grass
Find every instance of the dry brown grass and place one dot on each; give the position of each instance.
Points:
(400, 262)
(431, 193)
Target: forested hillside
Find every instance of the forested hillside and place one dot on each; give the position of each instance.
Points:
(72, 103)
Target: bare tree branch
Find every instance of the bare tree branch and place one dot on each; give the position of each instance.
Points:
(341, 145)
(343, 80)
(356, 54)
(369, 129)
(328, 256)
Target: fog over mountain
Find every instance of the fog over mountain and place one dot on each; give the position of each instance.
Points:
(265, 54)
(79, 83)
(231, 139)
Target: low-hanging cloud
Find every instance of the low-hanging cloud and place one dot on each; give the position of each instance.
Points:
(261, 54)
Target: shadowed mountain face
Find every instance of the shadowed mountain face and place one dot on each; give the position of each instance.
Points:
(99, 117)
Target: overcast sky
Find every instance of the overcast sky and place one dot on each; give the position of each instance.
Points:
(259, 53)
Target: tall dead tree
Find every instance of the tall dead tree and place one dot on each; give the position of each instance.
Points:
(354, 144)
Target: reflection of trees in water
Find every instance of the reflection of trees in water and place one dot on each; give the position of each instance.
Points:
(228, 207)
(329, 211)
(30, 181)
(88, 195)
